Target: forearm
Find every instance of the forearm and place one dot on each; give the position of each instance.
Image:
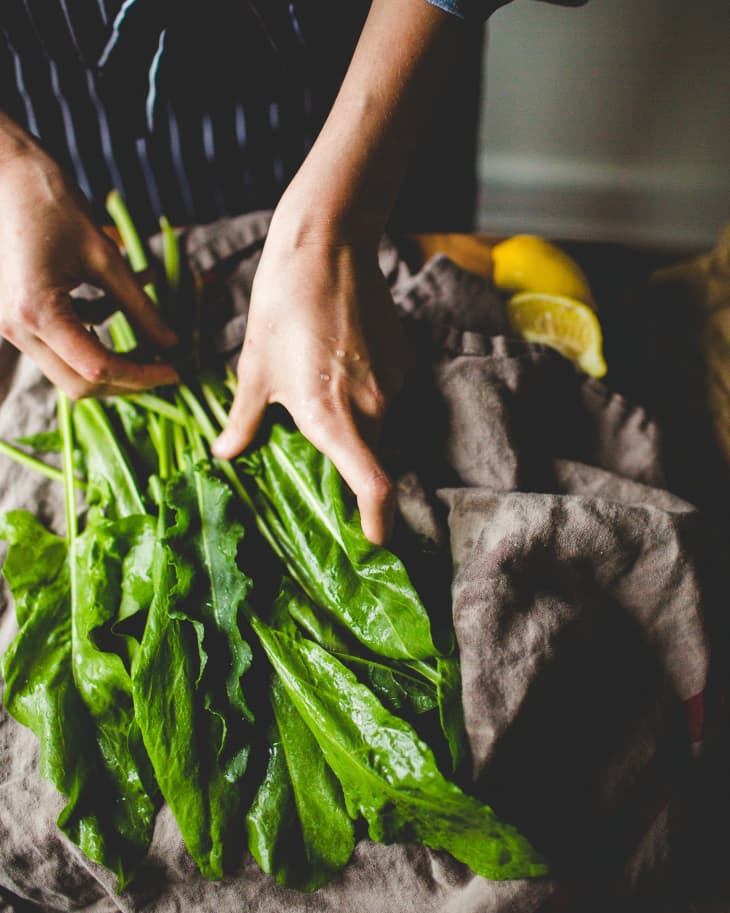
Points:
(347, 186)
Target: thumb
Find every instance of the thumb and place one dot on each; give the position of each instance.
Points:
(244, 418)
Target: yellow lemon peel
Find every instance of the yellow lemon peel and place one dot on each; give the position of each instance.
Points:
(529, 263)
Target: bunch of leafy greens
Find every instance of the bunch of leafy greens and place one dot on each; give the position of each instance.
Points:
(273, 715)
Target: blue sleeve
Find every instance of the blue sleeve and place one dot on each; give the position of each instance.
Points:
(480, 10)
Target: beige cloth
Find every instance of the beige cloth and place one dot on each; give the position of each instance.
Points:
(584, 596)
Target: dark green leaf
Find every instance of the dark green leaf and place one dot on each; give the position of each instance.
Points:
(186, 677)
(272, 811)
(42, 442)
(387, 773)
(112, 481)
(298, 826)
(208, 538)
(41, 694)
(105, 553)
(451, 710)
(397, 685)
(302, 498)
(135, 424)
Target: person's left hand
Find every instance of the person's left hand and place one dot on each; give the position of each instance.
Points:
(325, 341)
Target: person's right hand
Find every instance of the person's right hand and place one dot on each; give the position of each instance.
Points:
(49, 245)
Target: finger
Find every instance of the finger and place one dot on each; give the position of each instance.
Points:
(63, 333)
(339, 439)
(110, 271)
(246, 413)
(62, 375)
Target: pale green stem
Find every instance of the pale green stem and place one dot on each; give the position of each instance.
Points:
(66, 429)
(170, 256)
(159, 406)
(210, 434)
(153, 427)
(179, 440)
(164, 450)
(194, 438)
(24, 459)
(123, 336)
(215, 405)
(136, 253)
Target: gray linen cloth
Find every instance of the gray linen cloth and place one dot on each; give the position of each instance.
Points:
(583, 595)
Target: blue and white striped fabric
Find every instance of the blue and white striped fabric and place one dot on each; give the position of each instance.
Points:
(195, 109)
(203, 108)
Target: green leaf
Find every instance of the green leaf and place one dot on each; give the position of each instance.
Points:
(302, 498)
(109, 820)
(42, 442)
(398, 686)
(135, 423)
(350, 582)
(269, 818)
(103, 552)
(293, 604)
(451, 709)
(299, 829)
(186, 677)
(388, 774)
(208, 538)
(112, 481)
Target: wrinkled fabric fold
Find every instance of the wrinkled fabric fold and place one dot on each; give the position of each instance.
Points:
(533, 505)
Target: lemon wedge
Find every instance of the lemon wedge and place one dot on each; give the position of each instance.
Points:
(564, 323)
(529, 263)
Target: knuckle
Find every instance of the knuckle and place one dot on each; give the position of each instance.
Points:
(322, 408)
(6, 328)
(372, 396)
(78, 389)
(378, 487)
(28, 313)
(378, 403)
(95, 372)
(102, 253)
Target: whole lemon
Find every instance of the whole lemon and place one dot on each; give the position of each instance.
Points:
(529, 263)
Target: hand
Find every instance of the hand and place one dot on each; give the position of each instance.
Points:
(50, 245)
(324, 340)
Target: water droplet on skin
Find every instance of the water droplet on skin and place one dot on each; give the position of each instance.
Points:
(324, 377)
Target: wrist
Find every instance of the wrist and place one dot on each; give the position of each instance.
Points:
(25, 164)
(347, 186)
(313, 214)
(14, 141)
